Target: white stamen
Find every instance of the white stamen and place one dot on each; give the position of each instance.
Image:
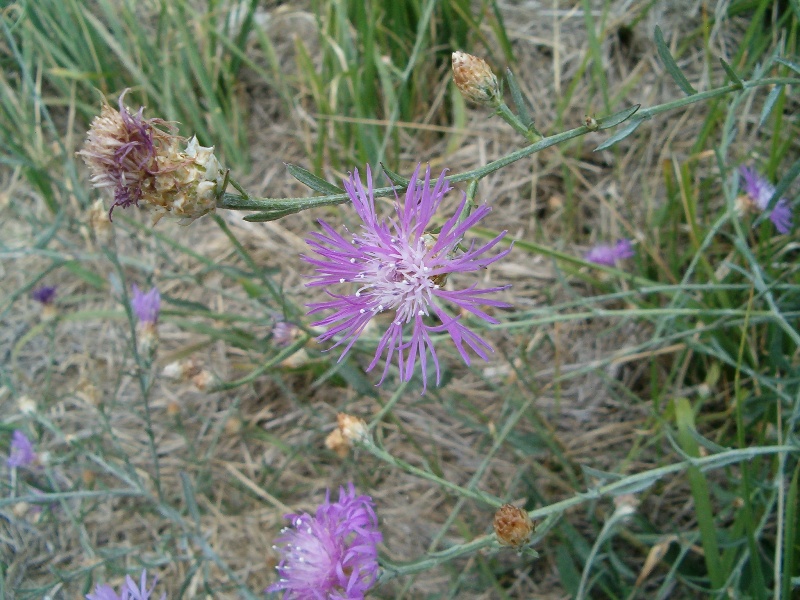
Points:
(341, 280)
(352, 261)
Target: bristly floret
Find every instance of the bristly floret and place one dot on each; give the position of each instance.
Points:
(130, 590)
(332, 555)
(398, 265)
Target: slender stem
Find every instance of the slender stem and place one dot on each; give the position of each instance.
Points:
(505, 113)
(284, 206)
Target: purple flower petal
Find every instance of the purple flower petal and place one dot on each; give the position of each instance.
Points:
(22, 453)
(130, 590)
(603, 254)
(45, 294)
(146, 306)
(332, 554)
(397, 266)
(760, 191)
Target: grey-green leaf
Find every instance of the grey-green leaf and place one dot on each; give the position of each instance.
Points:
(671, 65)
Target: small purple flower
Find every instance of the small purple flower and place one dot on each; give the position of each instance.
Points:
(146, 305)
(21, 452)
(604, 254)
(45, 294)
(332, 555)
(760, 191)
(129, 591)
(399, 265)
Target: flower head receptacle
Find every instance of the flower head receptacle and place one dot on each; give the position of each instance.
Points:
(475, 80)
(395, 266)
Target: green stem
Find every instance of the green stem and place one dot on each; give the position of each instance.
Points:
(278, 207)
(505, 113)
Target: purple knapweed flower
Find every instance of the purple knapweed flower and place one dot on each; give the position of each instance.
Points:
(146, 305)
(759, 191)
(332, 555)
(603, 254)
(45, 294)
(129, 591)
(398, 265)
(21, 451)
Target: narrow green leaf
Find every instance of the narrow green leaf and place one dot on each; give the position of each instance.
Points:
(395, 178)
(617, 117)
(188, 493)
(769, 103)
(272, 215)
(791, 532)
(793, 66)
(88, 276)
(521, 102)
(307, 178)
(620, 135)
(731, 74)
(684, 417)
(671, 65)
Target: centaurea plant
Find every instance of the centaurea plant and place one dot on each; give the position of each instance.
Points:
(399, 266)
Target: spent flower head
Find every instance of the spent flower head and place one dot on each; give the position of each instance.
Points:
(21, 452)
(142, 160)
(603, 254)
(512, 526)
(130, 590)
(475, 80)
(759, 191)
(332, 555)
(399, 266)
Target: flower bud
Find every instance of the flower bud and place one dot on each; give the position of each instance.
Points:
(475, 79)
(512, 526)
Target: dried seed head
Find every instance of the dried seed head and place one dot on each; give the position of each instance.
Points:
(336, 442)
(140, 160)
(475, 79)
(512, 526)
(352, 428)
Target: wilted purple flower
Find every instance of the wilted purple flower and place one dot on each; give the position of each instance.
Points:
(144, 160)
(332, 555)
(129, 591)
(121, 151)
(760, 191)
(398, 265)
(45, 294)
(21, 452)
(603, 254)
(146, 305)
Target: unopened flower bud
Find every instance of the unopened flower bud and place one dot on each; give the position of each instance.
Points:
(512, 526)
(475, 79)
